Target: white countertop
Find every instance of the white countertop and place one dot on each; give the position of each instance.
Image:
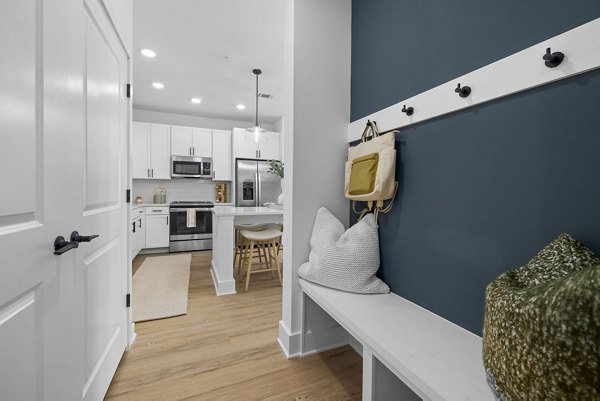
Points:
(245, 211)
(138, 205)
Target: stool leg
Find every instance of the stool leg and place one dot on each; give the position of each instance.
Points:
(267, 248)
(277, 265)
(249, 265)
(240, 260)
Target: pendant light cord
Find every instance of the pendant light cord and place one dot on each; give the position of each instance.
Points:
(256, 72)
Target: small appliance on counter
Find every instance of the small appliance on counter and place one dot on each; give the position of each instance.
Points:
(160, 195)
(221, 193)
(184, 237)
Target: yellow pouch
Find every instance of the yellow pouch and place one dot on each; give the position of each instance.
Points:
(363, 174)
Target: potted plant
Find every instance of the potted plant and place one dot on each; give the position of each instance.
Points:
(276, 167)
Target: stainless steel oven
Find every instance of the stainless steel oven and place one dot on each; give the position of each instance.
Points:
(191, 167)
(185, 238)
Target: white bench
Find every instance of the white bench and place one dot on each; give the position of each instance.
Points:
(409, 353)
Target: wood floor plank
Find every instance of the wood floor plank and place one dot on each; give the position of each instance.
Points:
(226, 348)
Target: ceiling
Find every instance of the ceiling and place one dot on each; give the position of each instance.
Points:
(207, 49)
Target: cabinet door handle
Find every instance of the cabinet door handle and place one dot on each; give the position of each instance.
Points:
(140, 224)
(133, 227)
(156, 211)
(148, 173)
(193, 151)
(167, 219)
(152, 171)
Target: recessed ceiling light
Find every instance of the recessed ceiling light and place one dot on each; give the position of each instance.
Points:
(196, 100)
(148, 53)
(158, 85)
(240, 106)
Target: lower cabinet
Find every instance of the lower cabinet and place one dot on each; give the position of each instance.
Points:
(137, 232)
(157, 227)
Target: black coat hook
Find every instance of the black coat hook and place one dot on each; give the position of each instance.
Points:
(464, 91)
(409, 111)
(553, 59)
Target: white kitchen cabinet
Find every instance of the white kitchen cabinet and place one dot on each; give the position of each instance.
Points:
(151, 153)
(190, 141)
(268, 146)
(202, 142)
(157, 227)
(137, 228)
(181, 140)
(245, 144)
(265, 147)
(221, 151)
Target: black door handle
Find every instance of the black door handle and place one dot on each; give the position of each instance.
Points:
(75, 237)
(61, 245)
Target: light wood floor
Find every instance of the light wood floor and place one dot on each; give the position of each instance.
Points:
(226, 348)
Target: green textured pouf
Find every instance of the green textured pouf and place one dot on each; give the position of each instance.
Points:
(541, 337)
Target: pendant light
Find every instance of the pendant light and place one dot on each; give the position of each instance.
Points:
(256, 129)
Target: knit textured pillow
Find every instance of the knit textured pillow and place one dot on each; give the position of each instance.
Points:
(344, 259)
(562, 256)
(542, 327)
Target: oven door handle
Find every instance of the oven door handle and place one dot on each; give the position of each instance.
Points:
(184, 209)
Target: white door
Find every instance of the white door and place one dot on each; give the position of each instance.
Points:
(268, 146)
(202, 142)
(63, 321)
(140, 155)
(245, 144)
(222, 164)
(181, 141)
(160, 151)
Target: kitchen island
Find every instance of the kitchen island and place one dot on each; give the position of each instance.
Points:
(225, 218)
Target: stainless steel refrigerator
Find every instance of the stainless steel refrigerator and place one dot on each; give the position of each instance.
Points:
(255, 186)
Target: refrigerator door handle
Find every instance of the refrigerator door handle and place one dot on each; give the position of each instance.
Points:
(258, 189)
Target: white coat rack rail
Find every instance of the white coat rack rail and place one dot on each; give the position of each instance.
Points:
(529, 68)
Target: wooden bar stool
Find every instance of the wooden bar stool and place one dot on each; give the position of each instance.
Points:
(267, 240)
(239, 242)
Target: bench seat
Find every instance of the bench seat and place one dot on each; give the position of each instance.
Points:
(433, 357)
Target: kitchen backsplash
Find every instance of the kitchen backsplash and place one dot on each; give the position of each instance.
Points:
(177, 190)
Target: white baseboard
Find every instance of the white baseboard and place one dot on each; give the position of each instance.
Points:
(222, 287)
(289, 343)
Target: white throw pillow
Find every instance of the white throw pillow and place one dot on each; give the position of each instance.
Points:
(344, 259)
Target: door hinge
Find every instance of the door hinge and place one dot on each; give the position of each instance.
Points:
(128, 300)
(128, 90)
(128, 196)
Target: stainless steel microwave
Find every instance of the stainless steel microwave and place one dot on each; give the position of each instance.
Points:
(191, 167)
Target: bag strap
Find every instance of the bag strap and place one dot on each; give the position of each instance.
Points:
(371, 131)
(378, 206)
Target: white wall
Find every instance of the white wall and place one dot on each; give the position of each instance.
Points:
(316, 120)
(159, 117)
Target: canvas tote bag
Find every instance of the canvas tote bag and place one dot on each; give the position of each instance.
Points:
(371, 169)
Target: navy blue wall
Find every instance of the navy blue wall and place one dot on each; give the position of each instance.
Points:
(483, 189)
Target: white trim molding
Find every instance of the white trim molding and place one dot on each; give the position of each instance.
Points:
(515, 73)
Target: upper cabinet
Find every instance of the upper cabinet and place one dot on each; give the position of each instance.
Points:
(247, 146)
(221, 150)
(190, 141)
(151, 154)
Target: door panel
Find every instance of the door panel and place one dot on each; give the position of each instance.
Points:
(101, 271)
(246, 186)
(103, 132)
(18, 117)
(268, 145)
(20, 381)
(157, 231)
(105, 339)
